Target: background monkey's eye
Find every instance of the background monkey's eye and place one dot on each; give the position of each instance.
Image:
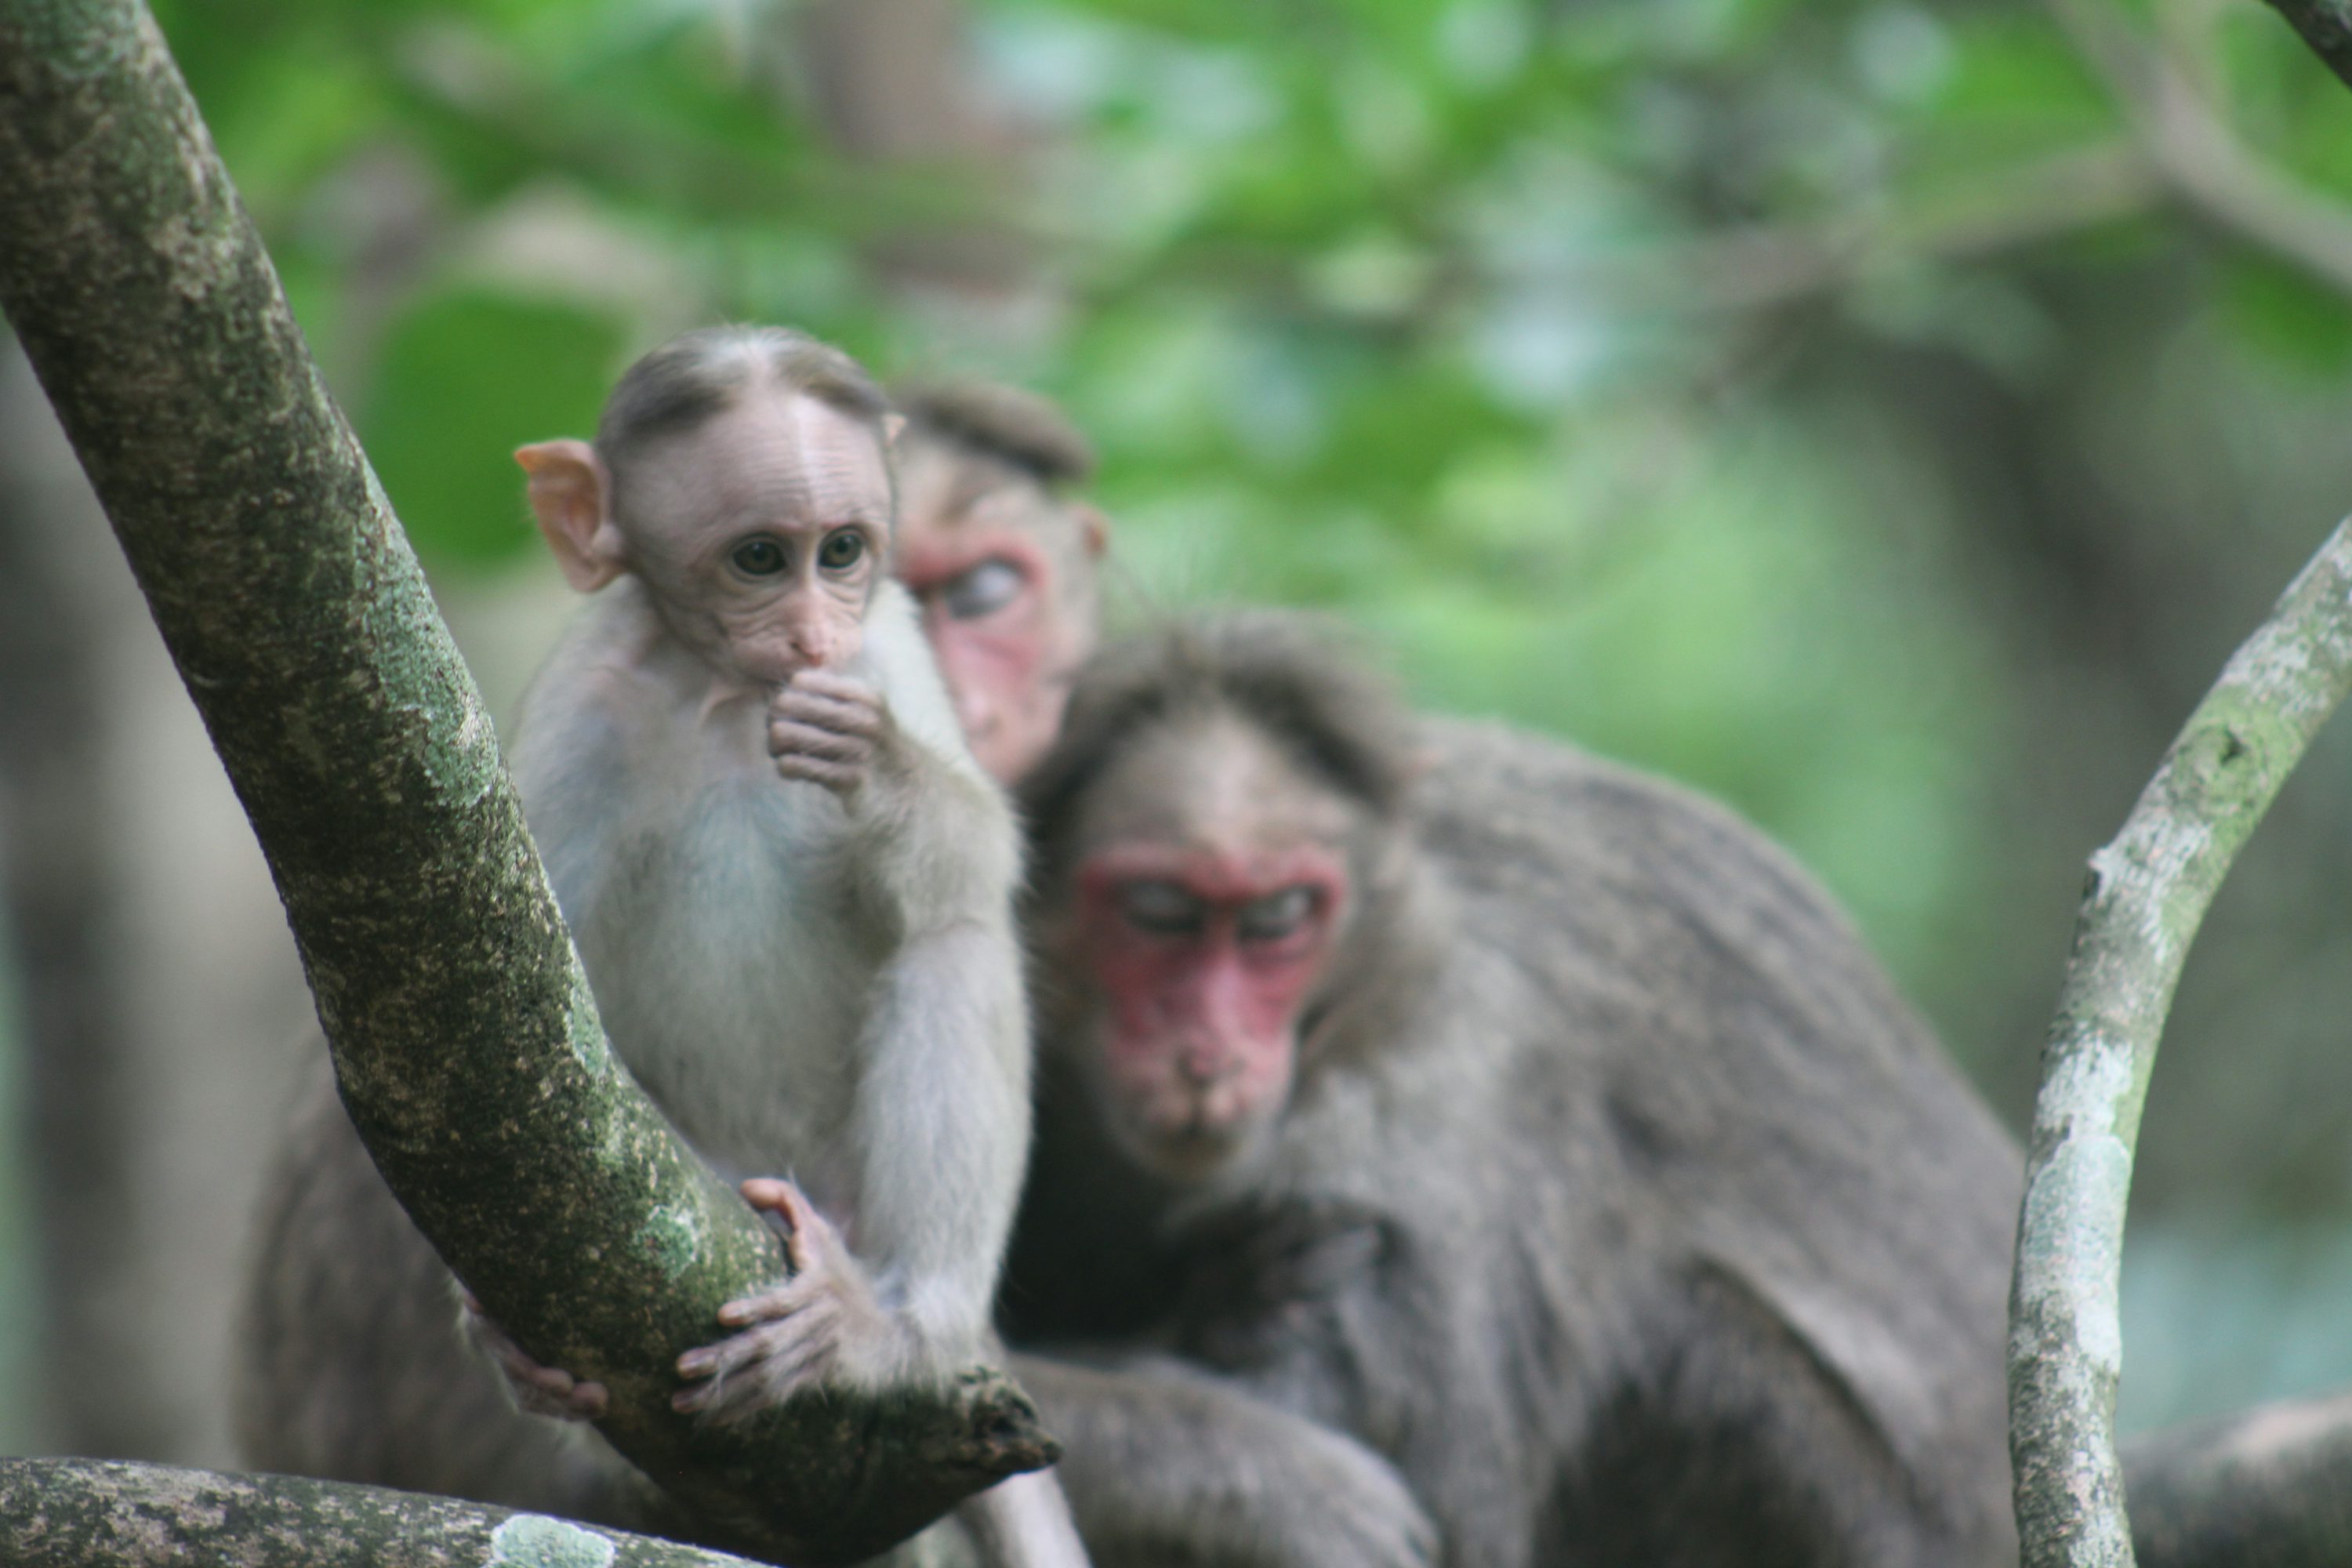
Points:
(844, 548)
(1162, 909)
(1275, 916)
(984, 589)
(758, 558)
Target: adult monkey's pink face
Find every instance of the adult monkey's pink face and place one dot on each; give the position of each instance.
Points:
(997, 565)
(1210, 890)
(759, 532)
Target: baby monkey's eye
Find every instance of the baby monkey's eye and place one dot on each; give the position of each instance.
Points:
(758, 557)
(842, 548)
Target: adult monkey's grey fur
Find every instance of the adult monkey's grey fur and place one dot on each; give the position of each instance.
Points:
(1624, 1213)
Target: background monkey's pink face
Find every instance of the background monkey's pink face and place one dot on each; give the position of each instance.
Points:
(763, 532)
(988, 612)
(995, 604)
(1202, 923)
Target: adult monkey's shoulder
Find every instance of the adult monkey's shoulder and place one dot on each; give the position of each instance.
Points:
(1848, 1188)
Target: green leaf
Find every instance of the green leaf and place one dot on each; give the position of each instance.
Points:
(2289, 318)
(464, 378)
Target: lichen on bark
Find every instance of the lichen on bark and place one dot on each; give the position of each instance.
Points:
(94, 1513)
(464, 1034)
(2147, 892)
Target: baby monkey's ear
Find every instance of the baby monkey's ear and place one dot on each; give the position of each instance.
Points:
(572, 496)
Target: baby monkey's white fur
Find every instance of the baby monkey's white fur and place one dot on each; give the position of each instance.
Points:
(810, 988)
(790, 888)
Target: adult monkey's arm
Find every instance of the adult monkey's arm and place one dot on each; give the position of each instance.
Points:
(463, 1036)
(2271, 1486)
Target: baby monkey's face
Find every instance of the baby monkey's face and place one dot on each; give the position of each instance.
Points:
(762, 533)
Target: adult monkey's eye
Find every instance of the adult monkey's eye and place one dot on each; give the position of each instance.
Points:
(758, 558)
(1275, 916)
(1162, 909)
(982, 590)
(842, 548)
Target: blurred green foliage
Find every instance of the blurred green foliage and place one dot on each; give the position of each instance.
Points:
(1835, 405)
(443, 417)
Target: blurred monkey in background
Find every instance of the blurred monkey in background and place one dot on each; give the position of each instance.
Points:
(1004, 564)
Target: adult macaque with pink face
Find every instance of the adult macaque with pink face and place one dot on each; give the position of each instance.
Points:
(1287, 1204)
(790, 888)
(1209, 903)
(1455, 1150)
(1001, 560)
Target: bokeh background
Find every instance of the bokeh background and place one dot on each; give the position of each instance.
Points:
(1883, 416)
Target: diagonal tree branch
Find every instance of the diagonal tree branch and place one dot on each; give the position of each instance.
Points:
(463, 1036)
(2148, 891)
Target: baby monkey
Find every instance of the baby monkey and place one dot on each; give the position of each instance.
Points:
(789, 882)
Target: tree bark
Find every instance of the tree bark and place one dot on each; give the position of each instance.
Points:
(88, 1513)
(2326, 27)
(463, 1036)
(2148, 891)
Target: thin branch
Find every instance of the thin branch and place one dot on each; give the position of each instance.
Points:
(2326, 27)
(463, 1036)
(2198, 156)
(2148, 891)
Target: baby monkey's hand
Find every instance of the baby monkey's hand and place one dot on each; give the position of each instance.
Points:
(829, 730)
